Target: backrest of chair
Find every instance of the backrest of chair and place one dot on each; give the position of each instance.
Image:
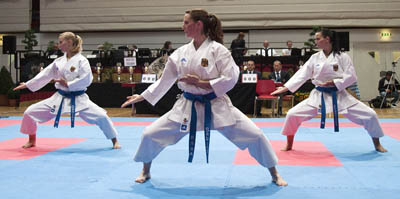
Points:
(265, 87)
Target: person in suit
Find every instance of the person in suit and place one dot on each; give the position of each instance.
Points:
(53, 49)
(251, 70)
(282, 77)
(279, 75)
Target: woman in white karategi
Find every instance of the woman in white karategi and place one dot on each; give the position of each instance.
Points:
(329, 70)
(72, 75)
(205, 71)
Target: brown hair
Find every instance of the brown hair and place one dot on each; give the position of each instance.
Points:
(76, 41)
(240, 35)
(211, 24)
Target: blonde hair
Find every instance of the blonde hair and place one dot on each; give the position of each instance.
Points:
(76, 41)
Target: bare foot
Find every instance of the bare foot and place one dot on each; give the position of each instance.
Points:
(380, 148)
(278, 180)
(143, 177)
(116, 146)
(28, 145)
(289, 143)
(287, 148)
(115, 143)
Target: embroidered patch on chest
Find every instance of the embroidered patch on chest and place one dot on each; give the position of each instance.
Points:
(204, 62)
(335, 67)
(72, 69)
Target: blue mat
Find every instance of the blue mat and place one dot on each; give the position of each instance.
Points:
(92, 170)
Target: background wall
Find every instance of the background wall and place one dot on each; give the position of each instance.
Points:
(14, 15)
(95, 15)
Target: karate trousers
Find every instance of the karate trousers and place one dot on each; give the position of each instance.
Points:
(358, 113)
(244, 134)
(40, 112)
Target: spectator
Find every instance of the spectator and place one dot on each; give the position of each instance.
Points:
(288, 51)
(166, 49)
(250, 70)
(238, 48)
(279, 76)
(388, 87)
(262, 51)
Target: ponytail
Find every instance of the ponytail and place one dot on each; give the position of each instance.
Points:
(215, 29)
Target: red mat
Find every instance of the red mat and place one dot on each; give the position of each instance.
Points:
(388, 127)
(116, 123)
(4, 123)
(12, 149)
(392, 132)
(307, 124)
(305, 153)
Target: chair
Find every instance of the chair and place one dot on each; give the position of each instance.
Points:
(289, 98)
(264, 88)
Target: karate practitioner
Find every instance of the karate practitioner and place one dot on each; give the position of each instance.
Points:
(329, 70)
(205, 71)
(72, 75)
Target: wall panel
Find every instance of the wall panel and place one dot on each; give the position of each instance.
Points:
(14, 15)
(128, 15)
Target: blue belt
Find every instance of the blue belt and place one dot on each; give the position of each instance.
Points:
(205, 99)
(71, 95)
(332, 91)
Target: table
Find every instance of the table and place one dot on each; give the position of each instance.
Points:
(242, 97)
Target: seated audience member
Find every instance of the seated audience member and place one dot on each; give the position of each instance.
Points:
(53, 49)
(166, 49)
(100, 49)
(270, 51)
(250, 70)
(278, 75)
(388, 87)
(133, 50)
(288, 51)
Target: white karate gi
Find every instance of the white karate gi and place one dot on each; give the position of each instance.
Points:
(213, 62)
(320, 69)
(77, 72)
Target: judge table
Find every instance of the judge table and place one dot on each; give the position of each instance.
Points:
(242, 97)
(114, 94)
